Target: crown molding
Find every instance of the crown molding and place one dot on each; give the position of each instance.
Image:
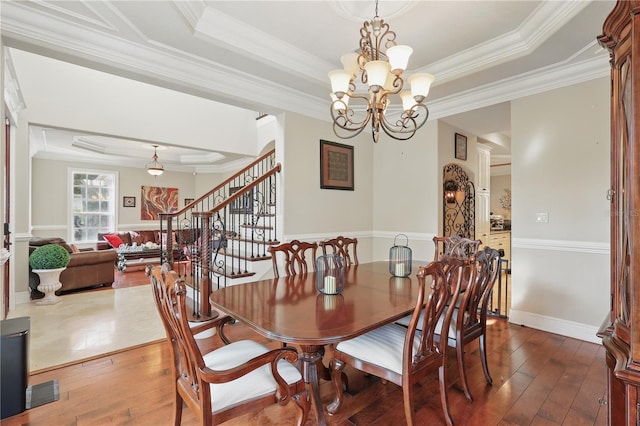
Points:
(543, 22)
(531, 83)
(179, 70)
(224, 30)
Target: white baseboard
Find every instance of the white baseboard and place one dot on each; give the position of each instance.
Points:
(22, 297)
(555, 325)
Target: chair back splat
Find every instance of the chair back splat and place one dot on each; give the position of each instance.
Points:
(342, 246)
(405, 355)
(455, 246)
(234, 379)
(296, 256)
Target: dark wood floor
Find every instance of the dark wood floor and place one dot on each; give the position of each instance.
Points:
(539, 379)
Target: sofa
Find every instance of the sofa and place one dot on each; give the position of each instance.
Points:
(87, 267)
(152, 240)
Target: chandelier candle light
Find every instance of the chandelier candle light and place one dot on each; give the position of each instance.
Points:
(382, 72)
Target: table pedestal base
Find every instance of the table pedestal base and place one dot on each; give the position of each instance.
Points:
(311, 358)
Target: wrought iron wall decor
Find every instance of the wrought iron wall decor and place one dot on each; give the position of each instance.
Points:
(458, 203)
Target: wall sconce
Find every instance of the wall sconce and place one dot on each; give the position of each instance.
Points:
(460, 195)
(450, 190)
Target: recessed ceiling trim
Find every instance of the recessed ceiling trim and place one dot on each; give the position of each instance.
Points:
(548, 18)
(531, 83)
(89, 145)
(52, 8)
(229, 32)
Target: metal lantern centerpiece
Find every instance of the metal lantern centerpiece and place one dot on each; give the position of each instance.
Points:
(400, 258)
(330, 274)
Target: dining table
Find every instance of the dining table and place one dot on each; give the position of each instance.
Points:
(291, 310)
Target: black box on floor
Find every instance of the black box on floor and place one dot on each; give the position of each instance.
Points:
(14, 365)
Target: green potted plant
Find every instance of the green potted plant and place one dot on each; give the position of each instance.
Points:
(48, 261)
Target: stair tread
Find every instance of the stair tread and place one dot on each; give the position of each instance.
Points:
(256, 227)
(244, 256)
(249, 240)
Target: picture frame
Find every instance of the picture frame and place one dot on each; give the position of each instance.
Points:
(188, 201)
(460, 147)
(336, 166)
(128, 201)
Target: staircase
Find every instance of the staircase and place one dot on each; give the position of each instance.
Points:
(223, 237)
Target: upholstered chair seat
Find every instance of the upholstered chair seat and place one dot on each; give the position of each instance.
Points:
(255, 384)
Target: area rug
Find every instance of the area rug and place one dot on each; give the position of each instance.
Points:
(89, 324)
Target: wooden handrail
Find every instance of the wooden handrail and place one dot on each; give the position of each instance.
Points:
(225, 182)
(275, 169)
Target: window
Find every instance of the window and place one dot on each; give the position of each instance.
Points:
(93, 204)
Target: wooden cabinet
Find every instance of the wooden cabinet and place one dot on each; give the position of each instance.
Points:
(483, 194)
(501, 240)
(484, 167)
(620, 331)
(500, 303)
(483, 224)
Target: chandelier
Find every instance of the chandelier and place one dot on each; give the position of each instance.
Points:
(382, 72)
(154, 167)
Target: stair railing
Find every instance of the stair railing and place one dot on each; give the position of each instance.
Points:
(217, 235)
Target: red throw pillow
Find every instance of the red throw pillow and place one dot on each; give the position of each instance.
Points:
(114, 240)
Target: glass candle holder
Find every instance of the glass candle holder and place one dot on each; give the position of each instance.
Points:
(400, 259)
(330, 274)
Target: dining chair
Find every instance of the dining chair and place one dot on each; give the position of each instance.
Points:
(342, 246)
(470, 317)
(404, 355)
(237, 378)
(455, 245)
(199, 329)
(295, 257)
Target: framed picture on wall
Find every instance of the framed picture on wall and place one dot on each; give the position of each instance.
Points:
(128, 201)
(461, 147)
(188, 201)
(336, 166)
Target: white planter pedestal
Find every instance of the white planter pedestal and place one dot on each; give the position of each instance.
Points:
(49, 284)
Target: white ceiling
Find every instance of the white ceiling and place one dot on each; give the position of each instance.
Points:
(273, 56)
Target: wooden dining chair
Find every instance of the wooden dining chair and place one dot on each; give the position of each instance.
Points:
(470, 316)
(296, 256)
(199, 329)
(403, 355)
(345, 247)
(237, 378)
(456, 246)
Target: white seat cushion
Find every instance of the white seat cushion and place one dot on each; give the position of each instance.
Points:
(258, 383)
(382, 346)
(203, 334)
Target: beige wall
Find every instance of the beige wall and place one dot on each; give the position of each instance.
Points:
(51, 204)
(310, 212)
(73, 97)
(560, 166)
(498, 186)
(405, 194)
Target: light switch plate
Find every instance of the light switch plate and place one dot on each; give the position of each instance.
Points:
(542, 217)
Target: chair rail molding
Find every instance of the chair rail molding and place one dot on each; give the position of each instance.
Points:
(592, 247)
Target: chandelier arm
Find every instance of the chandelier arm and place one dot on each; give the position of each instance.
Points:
(407, 124)
(353, 134)
(345, 119)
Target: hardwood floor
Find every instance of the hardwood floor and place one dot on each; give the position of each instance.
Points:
(539, 379)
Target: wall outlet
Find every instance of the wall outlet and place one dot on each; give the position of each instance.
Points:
(542, 217)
